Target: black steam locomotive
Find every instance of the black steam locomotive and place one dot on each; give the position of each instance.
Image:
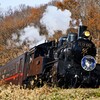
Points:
(76, 61)
(68, 63)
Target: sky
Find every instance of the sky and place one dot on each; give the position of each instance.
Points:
(5, 4)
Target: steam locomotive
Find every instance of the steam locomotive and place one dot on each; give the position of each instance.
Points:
(68, 63)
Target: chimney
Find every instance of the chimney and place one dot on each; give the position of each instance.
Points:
(81, 30)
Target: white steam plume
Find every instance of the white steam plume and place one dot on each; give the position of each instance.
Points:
(54, 19)
(30, 34)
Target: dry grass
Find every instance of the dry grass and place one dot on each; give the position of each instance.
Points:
(12, 92)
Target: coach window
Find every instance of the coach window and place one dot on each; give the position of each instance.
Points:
(7, 74)
(40, 52)
(0, 74)
(21, 65)
(17, 64)
(36, 53)
(13, 70)
(30, 59)
(3, 76)
(5, 71)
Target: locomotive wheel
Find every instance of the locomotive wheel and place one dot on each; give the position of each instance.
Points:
(93, 84)
(70, 82)
(29, 83)
(52, 78)
(73, 83)
(61, 82)
(33, 82)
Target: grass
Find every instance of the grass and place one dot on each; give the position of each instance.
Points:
(13, 92)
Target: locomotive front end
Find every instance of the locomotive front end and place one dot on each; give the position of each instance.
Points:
(77, 64)
(84, 52)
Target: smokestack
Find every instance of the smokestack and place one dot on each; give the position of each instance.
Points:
(81, 30)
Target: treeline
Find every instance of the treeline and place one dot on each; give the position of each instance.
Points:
(17, 20)
(11, 23)
(86, 11)
(83, 11)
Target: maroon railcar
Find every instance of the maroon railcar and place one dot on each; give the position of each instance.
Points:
(26, 67)
(13, 70)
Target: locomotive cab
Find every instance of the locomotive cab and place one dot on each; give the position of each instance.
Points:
(40, 64)
(40, 56)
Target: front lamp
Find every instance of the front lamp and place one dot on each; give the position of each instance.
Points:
(88, 63)
(87, 34)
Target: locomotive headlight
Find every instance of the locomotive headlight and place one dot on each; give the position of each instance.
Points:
(87, 33)
(88, 63)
